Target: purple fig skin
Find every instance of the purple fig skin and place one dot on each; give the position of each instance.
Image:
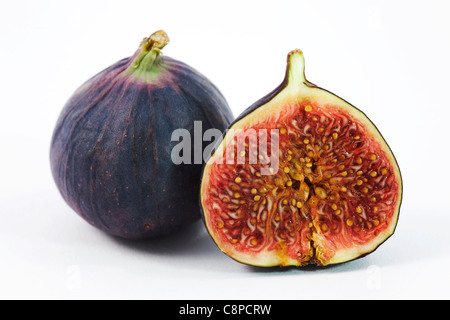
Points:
(111, 149)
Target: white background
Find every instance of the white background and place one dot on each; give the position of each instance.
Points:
(389, 58)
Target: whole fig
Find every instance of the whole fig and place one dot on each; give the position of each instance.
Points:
(111, 149)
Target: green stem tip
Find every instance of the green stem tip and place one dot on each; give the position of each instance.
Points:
(296, 67)
(157, 41)
(149, 50)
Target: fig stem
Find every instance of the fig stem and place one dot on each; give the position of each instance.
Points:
(296, 68)
(149, 51)
(157, 41)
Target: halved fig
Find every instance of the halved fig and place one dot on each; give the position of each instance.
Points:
(301, 177)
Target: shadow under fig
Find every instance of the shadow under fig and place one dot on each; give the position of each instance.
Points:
(357, 264)
(194, 241)
(191, 240)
